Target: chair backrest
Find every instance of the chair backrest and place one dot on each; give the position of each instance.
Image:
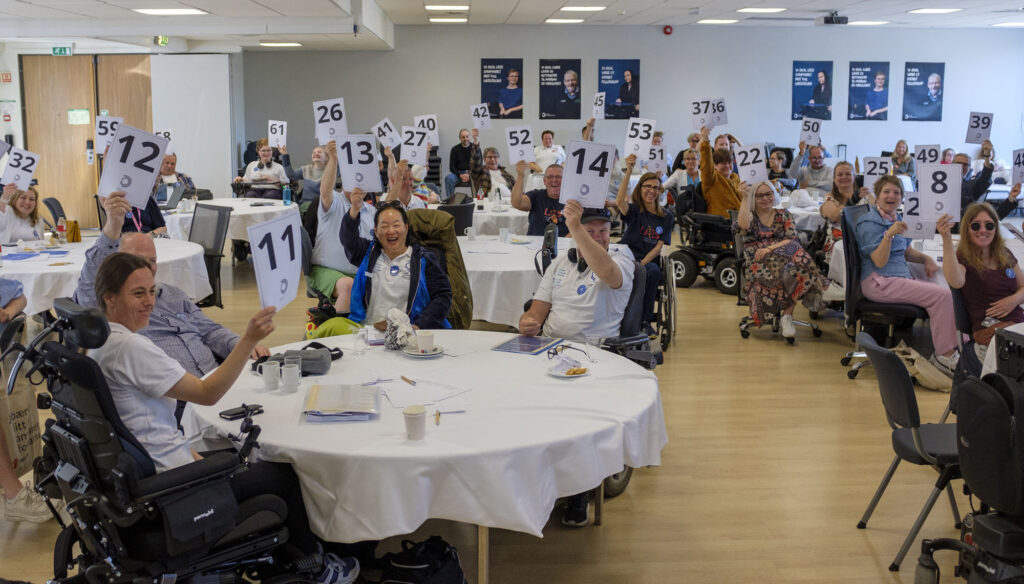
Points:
(700, 205)
(437, 231)
(851, 253)
(210, 227)
(894, 383)
(463, 215)
(960, 314)
(55, 208)
(101, 215)
(632, 317)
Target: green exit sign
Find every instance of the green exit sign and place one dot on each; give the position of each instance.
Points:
(63, 51)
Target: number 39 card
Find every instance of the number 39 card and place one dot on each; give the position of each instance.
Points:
(277, 259)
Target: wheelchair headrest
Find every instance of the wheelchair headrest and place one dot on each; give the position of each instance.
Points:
(85, 327)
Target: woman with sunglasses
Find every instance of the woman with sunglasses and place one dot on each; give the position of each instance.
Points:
(985, 271)
(395, 271)
(648, 229)
(885, 277)
(777, 271)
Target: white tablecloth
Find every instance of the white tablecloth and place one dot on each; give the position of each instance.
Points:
(806, 218)
(489, 221)
(48, 277)
(525, 440)
(243, 215)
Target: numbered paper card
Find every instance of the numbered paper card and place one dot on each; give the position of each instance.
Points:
(939, 190)
(21, 165)
(588, 167)
(277, 259)
(656, 160)
(810, 131)
(639, 134)
(599, 105)
(481, 115)
(875, 167)
(330, 119)
(106, 127)
(751, 163)
(1018, 166)
(277, 133)
(428, 122)
(520, 144)
(979, 127)
(133, 164)
(386, 133)
(414, 145)
(927, 153)
(708, 113)
(917, 228)
(358, 164)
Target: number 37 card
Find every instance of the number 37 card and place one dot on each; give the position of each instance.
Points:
(277, 259)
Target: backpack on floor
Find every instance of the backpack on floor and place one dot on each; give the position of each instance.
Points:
(433, 561)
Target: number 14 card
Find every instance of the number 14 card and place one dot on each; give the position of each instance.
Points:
(277, 259)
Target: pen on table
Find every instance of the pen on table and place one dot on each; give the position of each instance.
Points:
(437, 415)
(407, 380)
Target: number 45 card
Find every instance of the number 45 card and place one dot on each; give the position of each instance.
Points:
(277, 259)
(132, 164)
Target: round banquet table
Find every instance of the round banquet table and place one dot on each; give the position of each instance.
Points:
(524, 439)
(806, 218)
(244, 213)
(489, 220)
(49, 276)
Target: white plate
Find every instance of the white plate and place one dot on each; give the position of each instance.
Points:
(415, 353)
(553, 373)
(517, 241)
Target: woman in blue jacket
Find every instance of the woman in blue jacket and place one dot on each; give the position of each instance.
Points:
(395, 271)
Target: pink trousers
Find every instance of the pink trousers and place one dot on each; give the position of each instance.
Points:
(935, 298)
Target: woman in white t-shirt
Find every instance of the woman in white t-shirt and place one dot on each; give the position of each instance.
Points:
(144, 383)
(19, 215)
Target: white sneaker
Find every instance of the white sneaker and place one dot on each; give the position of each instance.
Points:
(948, 362)
(788, 330)
(27, 505)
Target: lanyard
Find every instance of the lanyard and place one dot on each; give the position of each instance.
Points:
(138, 225)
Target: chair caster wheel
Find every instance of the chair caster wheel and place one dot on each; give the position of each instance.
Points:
(790, 340)
(817, 333)
(852, 374)
(958, 525)
(894, 567)
(815, 315)
(845, 361)
(745, 334)
(862, 525)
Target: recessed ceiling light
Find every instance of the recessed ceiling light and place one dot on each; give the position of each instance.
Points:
(1010, 24)
(934, 10)
(868, 22)
(169, 11)
(762, 10)
(446, 7)
(582, 8)
(449, 19)
(564, 20)
(717, 21)
(269, 44)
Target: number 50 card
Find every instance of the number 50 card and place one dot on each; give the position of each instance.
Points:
(277, 259)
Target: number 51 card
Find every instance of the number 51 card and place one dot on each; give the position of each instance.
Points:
(277, 259)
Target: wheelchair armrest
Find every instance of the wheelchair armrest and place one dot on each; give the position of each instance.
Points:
(708, 218)
(215, 466)
(627, 341)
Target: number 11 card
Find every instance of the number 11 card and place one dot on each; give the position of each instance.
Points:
(277, 259)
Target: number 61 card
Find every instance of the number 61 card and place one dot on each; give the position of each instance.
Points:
(277, 259)
(132, 164)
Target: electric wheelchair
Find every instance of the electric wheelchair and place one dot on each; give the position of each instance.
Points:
(128, 522)
(706, 244)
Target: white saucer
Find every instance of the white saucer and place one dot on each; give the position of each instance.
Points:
(553, 373)
(415, 353)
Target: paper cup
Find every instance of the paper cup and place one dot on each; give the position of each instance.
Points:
(503, 234)
(415, 422)
(269, 371)
(425, 341)
(471, 233)
(290, 376)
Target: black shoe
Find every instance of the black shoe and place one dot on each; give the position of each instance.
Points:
(649, 331)
(576, 511)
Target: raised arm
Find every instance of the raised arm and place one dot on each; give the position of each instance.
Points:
(622, 198)
(597, 257)
(330, 169)
(519, 200)
(951, 268)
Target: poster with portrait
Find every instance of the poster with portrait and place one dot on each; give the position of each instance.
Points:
(619, 79)
(812, 90)
(559, 89)
(922, 92)
(869, 91)
(501, 87)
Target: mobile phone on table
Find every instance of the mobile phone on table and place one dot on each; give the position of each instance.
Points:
(240, 412)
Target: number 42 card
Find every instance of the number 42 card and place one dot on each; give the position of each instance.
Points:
(277, 259)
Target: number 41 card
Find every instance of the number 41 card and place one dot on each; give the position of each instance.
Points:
(277, 259)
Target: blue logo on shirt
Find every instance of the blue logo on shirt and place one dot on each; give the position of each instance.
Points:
(1010, 274)
(581, 290)
(394, 270)
(659, 230)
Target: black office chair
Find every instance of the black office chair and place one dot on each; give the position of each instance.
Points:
(203, 194)
(101, 214)
(858, 308)
(55, 208)
(433, 168)
(921, 444)
(131, 524)
(463, 215)
(210, 230)
(461, 195)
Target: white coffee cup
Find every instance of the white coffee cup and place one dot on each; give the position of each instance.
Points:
(269, 371)
(290, 375)
(425, 341)
(471, 233)
(415, 422)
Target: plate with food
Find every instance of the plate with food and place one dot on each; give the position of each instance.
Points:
(416, 353)
(562, 372)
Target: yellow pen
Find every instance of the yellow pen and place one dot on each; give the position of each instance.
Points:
(407, 380)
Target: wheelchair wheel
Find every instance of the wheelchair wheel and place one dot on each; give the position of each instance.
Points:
(727, 277)
(616, 484)
(684, 269)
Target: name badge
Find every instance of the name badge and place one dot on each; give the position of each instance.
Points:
(581, 290)
(1010, 273)
(394, 270)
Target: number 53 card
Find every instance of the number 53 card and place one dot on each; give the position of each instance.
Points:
(277, 259)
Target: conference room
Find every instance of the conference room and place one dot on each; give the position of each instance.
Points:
(752, 458)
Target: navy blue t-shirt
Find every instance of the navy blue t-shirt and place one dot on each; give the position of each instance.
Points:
(544, 210)
(644, 230)
(149, 218)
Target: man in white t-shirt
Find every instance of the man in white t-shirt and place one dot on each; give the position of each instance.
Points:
(582, 303)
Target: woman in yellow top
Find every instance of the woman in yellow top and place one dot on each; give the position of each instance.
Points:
(721, 186)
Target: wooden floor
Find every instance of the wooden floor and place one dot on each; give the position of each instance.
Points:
(773, 456)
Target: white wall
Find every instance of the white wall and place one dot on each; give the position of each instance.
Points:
(11, 92)
(192, 97)
(436, 69)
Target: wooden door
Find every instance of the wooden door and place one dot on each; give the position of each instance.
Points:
(124, 88)
(52, 86)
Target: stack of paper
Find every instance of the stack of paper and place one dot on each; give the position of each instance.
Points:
(342, 403)
(401, 394)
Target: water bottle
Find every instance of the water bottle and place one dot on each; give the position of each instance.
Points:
(62, 230)
(286, 195)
